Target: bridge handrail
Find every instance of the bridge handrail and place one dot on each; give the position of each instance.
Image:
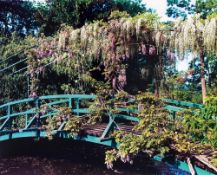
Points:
(26, 100)
(67, 96)
(182, 103)
(72, 96)
(17, 114)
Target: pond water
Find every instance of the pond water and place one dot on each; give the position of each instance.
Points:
(58, 157)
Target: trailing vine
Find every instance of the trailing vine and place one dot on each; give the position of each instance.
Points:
(150, 135)
(65, 118)
(106, 47)
(191, 135)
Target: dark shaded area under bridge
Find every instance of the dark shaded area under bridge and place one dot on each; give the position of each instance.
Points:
(67, 157)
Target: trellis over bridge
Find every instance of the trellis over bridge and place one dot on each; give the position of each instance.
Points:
(29, 112)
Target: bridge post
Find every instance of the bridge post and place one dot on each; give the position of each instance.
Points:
(9, 110)
(70, 103)
(26, 118)
(37, 105)
(8, 119)
(174, 115)
(109, 127)
(77, 101)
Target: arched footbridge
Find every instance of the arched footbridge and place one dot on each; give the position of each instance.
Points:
(24, 119)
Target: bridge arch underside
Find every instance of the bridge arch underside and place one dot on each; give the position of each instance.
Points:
(77, 152)
(172, 165)
(37, 134)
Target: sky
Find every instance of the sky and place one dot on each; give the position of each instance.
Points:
(159, 5)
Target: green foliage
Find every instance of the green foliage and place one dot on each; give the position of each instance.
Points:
(17, 16)
(181, 8)
(98, 109)
(210, 111)
(201, 125)
(118, 14)
(214, 160)
(192, 133)
(178, 86)
(110, 158)
(12, 51)
(66, 119)
(212, 91)
(73, 126)
(107, 104)
(206, 7)
(132, 7)
(18, 122)
(78, 12)
(213, 15)
(212, 81)
(150, 135)
(187, 95)
(14, 44)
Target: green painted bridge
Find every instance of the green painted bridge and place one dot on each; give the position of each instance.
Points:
(26, 119)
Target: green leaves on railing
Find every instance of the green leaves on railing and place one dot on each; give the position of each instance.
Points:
(63, 120)
(190, 134)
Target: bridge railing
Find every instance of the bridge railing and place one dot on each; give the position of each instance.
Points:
(171, 105)
(182, 103)
(175, 106)
(29, 109)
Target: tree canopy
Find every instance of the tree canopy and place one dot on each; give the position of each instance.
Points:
(77, 12)
(27, 17)
(17, 16)
(181, 8)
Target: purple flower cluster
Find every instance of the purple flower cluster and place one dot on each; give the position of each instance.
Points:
(44, 53)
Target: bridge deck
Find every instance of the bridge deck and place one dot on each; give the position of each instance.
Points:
(98, 129)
